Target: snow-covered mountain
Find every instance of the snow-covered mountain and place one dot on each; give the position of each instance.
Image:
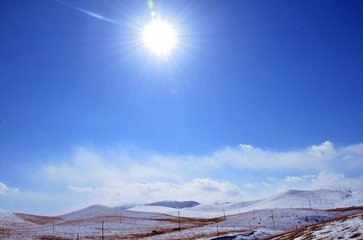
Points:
(127, 206)
(90, 212)
(174, 204)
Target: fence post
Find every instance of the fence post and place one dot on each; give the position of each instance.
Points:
(102, 230)
(179, 219)
(273, 219)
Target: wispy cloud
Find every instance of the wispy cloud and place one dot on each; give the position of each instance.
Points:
(5, 190)
(294, 179)
(89, 13)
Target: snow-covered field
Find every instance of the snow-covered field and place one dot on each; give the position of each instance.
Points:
(245, 220)
(349, 227)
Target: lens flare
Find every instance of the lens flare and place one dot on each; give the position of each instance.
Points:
(159, 37)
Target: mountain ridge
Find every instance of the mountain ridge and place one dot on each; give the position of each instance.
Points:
(174, 204)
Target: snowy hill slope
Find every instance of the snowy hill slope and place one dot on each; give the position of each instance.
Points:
(98, 211)
(90, 212)
(318, 199)
(348, 227)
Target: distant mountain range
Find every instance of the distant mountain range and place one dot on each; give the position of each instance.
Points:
(174, 204)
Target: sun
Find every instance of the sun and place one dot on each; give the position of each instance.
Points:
(159, 37)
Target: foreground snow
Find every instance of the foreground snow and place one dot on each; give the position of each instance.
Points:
(346, 228)
(349, 227)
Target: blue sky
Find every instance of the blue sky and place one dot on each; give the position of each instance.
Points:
(250, 85)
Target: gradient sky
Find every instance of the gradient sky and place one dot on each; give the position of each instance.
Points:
(255, 93)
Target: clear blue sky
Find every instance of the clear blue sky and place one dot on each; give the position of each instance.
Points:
(278, 75)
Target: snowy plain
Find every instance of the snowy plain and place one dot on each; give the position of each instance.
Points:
(277, 214)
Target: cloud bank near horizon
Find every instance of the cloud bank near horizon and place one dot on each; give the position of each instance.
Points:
(236, 173)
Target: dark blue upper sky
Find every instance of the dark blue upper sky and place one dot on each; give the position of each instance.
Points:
(276, 74)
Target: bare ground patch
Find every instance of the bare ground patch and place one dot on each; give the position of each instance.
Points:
(38, 219)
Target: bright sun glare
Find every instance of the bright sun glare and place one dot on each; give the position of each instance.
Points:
(159, 37)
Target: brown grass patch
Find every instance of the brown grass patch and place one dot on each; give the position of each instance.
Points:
(193, 221)
(5, 231)
(52, 238)
(345, 209)
(38, 219)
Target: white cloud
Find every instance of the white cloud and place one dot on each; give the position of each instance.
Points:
(80, 189)
(308, 176)
(315, 158)
(246, 147)
(322, 180)
(324, 150)
(293, 179)
(336, 181)
(96, 170)
(249, 185)
(5, 190)
(207, 185)
(85, 167)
